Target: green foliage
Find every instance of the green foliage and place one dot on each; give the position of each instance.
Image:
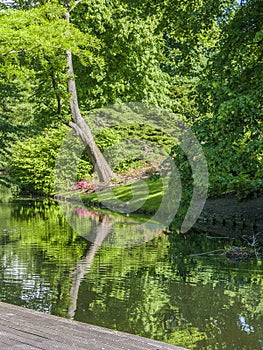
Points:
(107, 138)
(44, 32)
(33, 46)
(131, 50)
(231, 104)
(33, 161)
(6, 131)
(15, 113)
(202, 59)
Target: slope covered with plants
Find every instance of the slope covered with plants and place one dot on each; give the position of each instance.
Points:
(201, 60)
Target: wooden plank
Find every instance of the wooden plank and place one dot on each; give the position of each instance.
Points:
(22, 328)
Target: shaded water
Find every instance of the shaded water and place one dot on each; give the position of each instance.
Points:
(154, 287)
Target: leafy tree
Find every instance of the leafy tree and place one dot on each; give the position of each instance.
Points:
(111, 71)
(40, 37)
(172, 54)
(132, 52)
(232, 104)
(13, 106)
(191, 32)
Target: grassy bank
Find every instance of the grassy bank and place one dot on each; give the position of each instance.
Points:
(143, 196)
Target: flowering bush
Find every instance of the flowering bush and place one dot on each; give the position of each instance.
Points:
(84, 185)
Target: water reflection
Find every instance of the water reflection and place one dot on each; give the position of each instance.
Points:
(159, 289)
(127, 231)
(99, 231)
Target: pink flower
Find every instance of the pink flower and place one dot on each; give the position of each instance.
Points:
(84, 185)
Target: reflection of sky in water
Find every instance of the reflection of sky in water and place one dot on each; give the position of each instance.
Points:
(244, 326)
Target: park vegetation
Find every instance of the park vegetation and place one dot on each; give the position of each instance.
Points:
(201, 60)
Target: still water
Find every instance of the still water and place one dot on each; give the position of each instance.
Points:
(140, 281)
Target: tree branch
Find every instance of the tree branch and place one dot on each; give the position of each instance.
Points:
(13, 51)
(18, 51)
(73, 6)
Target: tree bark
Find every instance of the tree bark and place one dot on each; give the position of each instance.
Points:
(82, 129)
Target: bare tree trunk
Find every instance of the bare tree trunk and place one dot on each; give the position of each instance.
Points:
(82, 129)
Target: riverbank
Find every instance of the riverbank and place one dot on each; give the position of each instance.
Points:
(223, 216)
(227, 215)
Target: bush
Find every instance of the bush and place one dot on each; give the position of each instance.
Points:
(33, 160)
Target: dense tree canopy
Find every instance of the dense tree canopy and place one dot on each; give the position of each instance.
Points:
(200, 59)
(231, 103)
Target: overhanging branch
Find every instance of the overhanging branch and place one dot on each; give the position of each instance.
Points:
(11, 52)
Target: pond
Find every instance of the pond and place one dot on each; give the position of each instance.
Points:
(141, 281)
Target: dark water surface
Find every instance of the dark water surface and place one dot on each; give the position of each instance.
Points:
(154, 285)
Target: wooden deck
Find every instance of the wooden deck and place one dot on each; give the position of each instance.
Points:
(21, 328)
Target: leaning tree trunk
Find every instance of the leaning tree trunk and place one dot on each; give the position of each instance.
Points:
(82, 129)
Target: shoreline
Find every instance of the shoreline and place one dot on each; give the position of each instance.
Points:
(226, 215)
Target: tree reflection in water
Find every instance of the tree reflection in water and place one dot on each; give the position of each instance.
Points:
(99, 231)
(160, 288)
